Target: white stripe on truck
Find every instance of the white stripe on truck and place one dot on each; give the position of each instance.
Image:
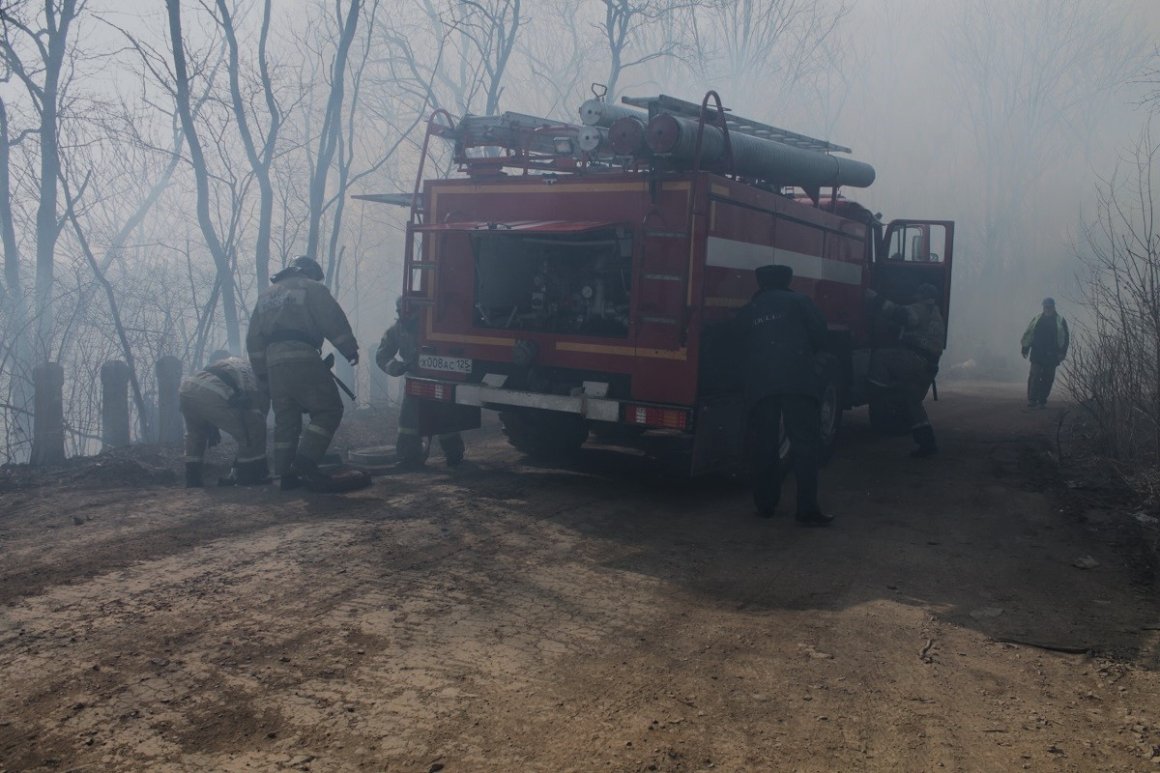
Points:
(729, 253)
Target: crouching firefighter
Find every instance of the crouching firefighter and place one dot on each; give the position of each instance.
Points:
(225, 397)
(911, 363)
(402, 339)
(292, 318)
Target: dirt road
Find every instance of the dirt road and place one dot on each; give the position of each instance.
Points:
(516, 617)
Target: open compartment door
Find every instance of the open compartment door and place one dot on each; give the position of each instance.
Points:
(915, 252)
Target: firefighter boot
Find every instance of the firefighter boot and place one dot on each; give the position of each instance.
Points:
(305, 472)
(924, 438)
(193, 475)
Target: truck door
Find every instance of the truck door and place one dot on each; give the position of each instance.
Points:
(911, 253)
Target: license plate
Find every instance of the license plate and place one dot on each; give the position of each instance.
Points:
(445, 364)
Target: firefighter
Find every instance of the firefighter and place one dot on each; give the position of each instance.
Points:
(1045, 341)
(291, 320)
(782, 332)
(911, 363)
(401, 338)
(225, 397)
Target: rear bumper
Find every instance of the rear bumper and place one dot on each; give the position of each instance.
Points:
(584, 405)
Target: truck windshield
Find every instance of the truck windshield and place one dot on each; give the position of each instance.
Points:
(569, 283)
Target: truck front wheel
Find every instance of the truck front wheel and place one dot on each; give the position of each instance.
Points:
(544, 434)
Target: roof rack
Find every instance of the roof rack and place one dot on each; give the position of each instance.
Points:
(736, 124)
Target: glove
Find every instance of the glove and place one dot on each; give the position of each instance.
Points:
(353, 359)
(396, 368)
(1025, 351)
(870, 295)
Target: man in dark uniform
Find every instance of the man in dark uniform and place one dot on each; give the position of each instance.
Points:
(911, 363)
(291, 320)
(1046, 341)
(402, 339)
(782, 333)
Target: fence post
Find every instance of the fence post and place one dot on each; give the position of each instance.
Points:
(48, 415)
(170, 428)
(114, 405)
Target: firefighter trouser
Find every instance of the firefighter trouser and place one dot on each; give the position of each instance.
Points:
(204, 407)
(802, 417)
(300, 383)
(908, 371)
(1039, 383)
(409, 444)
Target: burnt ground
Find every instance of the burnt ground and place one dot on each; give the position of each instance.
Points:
(970, 612)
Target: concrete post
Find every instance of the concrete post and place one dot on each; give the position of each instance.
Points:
(170, 427)
(48, 415)
(114, 405)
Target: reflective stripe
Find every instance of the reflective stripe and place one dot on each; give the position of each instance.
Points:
(247, 459)
(317, 430)
(291, 444)
(189, 458)
(338, 342)
(408, 431)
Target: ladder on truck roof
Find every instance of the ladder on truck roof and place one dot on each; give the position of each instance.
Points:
(735, 123)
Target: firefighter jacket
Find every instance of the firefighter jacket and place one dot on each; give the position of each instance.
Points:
(402, 339)
(1062, 341)
(923, 329)
(294, 313)
(781, 333)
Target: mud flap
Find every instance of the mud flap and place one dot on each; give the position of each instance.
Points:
(719, 439)
(437, 418)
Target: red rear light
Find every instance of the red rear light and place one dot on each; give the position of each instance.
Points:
(653, 416)
(431, 390)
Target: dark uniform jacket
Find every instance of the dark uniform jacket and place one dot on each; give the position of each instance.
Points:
(782, 332)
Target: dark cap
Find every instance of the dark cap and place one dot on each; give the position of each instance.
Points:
(1049, 303)
(308, 267)
(773, 277)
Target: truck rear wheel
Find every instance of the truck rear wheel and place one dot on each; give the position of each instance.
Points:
(544, 434)
(831, 407)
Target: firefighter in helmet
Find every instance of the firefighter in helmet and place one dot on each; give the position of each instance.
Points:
(291, 320)
(225, 397)
(402, 339)
(911, 363)
(782, 333)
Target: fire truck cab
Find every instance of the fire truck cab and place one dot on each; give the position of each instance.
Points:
(577, 278)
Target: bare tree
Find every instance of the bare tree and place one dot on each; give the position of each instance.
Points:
(328, 138)
(44, 76)
(1034, 79)
(627, 23)
(261, 158)
(1114, 370)
(225, 271)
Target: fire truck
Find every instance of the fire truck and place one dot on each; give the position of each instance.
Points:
(575, 277)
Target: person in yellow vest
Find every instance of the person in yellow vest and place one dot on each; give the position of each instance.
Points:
(291, 320)
(1045, 343)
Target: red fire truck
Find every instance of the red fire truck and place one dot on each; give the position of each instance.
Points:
(575, 277)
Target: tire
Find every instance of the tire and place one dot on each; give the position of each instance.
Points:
(830, 409)
(544, 434)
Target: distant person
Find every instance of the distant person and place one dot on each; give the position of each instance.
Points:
(911, 363)
(781, 333)
(225, 397)
(291, 320)
(402, 338)
(1045, 341)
